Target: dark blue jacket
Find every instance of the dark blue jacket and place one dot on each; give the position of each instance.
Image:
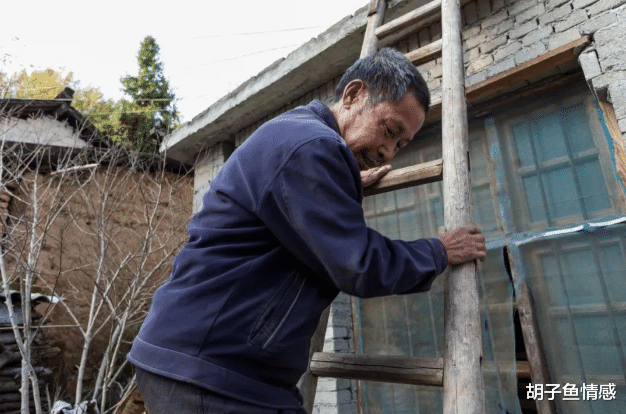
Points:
(280, 233)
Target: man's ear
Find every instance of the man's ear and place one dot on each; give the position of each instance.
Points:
(355, 93)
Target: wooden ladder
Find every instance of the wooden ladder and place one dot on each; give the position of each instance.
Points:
(460, 372)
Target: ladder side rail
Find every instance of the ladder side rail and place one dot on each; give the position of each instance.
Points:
(375, 18)
(463, 385)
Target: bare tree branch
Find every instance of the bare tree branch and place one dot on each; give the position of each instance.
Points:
(100, 228)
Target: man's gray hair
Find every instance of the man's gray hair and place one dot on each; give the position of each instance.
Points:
(388, 75)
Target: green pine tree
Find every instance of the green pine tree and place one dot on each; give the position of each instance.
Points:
(152, 111)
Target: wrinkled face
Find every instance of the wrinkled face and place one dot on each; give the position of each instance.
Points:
(376, 134)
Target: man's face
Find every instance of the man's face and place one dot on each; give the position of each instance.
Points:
(376, 134)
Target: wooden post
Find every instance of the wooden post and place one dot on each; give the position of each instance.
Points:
(463, 385)
(608, 112)
(539, 372)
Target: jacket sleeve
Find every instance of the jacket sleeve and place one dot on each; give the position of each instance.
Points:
(312, 206)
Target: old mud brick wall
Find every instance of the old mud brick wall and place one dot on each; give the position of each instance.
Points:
(69, 257)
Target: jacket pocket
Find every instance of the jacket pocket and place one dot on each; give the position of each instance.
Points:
(274, 317)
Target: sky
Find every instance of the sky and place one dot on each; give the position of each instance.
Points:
(207, 48)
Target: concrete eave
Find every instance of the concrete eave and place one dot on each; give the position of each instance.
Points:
(315, 62)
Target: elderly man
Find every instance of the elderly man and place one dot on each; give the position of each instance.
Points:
(280, 234)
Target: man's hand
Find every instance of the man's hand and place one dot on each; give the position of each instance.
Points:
(464, 245)
(369, 177)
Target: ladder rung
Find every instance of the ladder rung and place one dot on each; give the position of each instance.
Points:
(426, 53)
(411, 21)
(399, 369)
(424, 173)
(404, 370)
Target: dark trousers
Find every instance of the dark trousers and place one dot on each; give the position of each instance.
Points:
(163, 395)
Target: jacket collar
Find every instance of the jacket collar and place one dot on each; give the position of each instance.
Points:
(324, 112)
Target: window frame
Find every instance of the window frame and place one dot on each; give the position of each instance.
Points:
(497, 146)
(573, 95)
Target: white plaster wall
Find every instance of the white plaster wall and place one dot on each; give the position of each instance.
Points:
(41, 130)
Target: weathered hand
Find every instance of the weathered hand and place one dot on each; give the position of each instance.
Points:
(369, 177)
(464, 245)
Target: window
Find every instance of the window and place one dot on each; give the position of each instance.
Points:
(541, 178)
(558, 176)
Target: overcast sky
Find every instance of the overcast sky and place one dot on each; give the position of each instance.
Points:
(207, 48)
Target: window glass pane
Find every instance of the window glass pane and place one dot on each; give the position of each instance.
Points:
(482, 200)
(437, 212)
(563, 329)
(369, 206)
(405, 197)
(424, 326)
(597, 344)
(534, 199)
(594, 194)
(484, 215)
(552, 277)
(611, 259)
(620, 323)
(385, 202)
(568, 181)
(582, 284)
(388, 225)
(383, 398)
(478, 160)
(372, 325)
(522, 140)
(410, 226)
(579, 291)
(577, 128)
(561, 193)
(549, 138)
